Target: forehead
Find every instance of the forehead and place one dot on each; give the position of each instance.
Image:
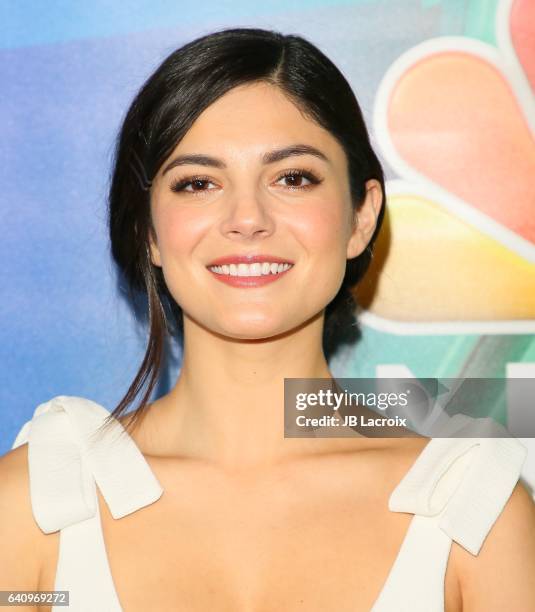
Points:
(253, 118)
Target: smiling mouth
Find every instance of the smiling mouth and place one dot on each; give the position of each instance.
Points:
(251, 270)
(253, 275)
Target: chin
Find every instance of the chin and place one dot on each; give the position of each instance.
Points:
(251, 331)
(253, 328)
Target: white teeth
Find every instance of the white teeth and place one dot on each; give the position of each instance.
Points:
(254, 269)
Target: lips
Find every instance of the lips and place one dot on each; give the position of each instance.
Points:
(236, 259)
(236, 270)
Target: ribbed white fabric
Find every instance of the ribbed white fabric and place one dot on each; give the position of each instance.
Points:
(66, 461)
(456, 490)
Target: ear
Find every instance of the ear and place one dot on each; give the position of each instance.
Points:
(365, 219)
(154, 250)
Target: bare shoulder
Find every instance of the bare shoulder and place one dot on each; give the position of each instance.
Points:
(501, 576)
(23, 543)
(400, 454)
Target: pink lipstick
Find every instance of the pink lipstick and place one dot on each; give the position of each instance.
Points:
(249, 270)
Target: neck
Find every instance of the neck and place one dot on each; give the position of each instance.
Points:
(227, 404)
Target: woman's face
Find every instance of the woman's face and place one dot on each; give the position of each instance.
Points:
(254, 177)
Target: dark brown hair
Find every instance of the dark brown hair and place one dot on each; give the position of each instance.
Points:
(186, 83)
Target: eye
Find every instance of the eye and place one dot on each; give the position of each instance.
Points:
(191, 184)
(295, 179)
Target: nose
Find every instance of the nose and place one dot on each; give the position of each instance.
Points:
(247, 216)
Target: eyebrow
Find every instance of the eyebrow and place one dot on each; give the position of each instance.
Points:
(268, 158)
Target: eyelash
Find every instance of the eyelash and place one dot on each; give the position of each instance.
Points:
(179, 185)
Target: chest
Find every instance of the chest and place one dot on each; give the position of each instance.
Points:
(292, 542)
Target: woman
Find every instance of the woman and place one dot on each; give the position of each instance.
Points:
(245, 201)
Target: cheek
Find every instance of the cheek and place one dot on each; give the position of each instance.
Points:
(178, 232)
(323, 233)
(323, 229)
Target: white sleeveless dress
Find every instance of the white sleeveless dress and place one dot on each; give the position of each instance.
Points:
(456, 490)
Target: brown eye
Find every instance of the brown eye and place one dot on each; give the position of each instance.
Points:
(191, 185)
(298, 179)
(294, 180)
(198, 184)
